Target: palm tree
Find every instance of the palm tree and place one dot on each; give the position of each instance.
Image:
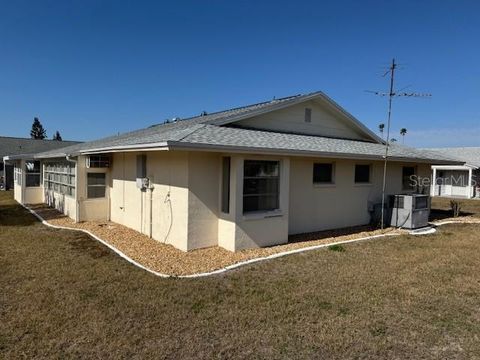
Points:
(381, 127)
(403, 132)
(393, 140)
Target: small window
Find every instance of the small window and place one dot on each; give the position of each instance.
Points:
(362, 174)
(261, 185)
(32, 177)
(407, 181)
(226, 185)
(323, 174)
(308, 115)
(141, 166)
(98, 161)
(96, 185)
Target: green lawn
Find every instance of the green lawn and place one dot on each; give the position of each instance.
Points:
(64, 295)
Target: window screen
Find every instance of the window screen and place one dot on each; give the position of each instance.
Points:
(226, 185)
(96, 185)
(32, 178)
(407, 173)
(323, 173)
(362, 174)
(261, 183)
(141, 166)
(98, 161)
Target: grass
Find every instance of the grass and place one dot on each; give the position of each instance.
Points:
(64, 295)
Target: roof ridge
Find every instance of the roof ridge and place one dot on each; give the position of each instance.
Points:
(25, 138)
(248, 105)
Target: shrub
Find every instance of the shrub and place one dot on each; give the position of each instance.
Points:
(338, 248)
(456, 207)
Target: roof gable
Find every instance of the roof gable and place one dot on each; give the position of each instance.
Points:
(327, 119)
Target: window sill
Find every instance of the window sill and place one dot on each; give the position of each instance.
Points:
(262, 215)
(362, 184)
(324, 185)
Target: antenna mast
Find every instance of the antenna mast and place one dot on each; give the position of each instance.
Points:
(387, 144)
(391, 94)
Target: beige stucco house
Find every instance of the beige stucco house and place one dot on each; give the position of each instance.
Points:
(240, 178)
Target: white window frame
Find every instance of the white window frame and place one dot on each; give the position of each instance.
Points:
(29, 173)
(260, 211)
(96, 185)
(320, 183)
(370, 174)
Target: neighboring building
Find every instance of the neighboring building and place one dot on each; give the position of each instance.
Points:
(240, 178)
(462, 181)
(17, 146)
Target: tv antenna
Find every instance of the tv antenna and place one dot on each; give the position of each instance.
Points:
(391, 94)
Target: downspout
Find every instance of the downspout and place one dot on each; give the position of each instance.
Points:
(77, 202)
(151, 209)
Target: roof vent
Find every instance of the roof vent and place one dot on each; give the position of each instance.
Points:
(203, 113)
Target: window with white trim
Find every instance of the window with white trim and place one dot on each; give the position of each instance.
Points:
(96, 185)
(32, 173)
(226, 185)
(408, 172)
(323, 173)
(98, 161)
(261, 185)
(362, 174)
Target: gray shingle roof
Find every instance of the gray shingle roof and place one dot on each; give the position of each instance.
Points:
(17, 146)
(210, 135)
(212, 130)
(173, 131)
(469, 155)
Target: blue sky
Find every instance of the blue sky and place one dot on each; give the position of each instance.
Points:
(94, 68)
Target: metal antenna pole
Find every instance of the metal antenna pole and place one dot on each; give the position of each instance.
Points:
(390, 97)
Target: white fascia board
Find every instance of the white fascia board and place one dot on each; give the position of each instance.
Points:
(454, 167)
(126, 148)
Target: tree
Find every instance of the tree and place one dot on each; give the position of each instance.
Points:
(393, 140)
(38, 132)
(381, 127)
(403, 132)
(57, 136)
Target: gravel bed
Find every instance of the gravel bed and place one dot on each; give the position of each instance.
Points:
(169, 260)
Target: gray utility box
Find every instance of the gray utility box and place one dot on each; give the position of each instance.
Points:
(410, 211)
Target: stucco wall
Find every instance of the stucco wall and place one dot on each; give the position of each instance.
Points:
(320, 207)
(203, 199)
(130, 206)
